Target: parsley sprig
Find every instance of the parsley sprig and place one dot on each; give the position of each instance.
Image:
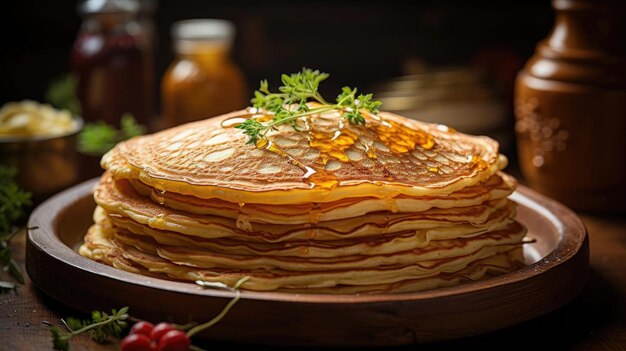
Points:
(13, 203)
(99, 137)
(100, 326)
(8, 263)
(289, 104)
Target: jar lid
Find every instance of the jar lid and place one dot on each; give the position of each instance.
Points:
(203, 29)
(108, 6)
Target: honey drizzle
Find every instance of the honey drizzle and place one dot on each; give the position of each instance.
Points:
(315, 214)
(397, 137)
(334, 143)
(478, 163)
(331, 144)
(400, 139)
(314, 176)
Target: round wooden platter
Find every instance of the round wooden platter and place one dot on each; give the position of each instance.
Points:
(558, 264)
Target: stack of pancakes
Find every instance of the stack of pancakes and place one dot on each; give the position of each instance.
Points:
(395, 205)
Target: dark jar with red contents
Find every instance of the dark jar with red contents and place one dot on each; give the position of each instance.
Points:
(113, 62)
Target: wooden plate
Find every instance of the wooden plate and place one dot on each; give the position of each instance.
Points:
(558, 267)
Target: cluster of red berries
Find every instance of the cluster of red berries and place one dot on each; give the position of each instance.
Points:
(144, 336)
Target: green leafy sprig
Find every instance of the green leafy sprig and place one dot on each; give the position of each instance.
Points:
(13, 200)
(8, 263)
(13, 203)
(61, 93)
(289, 104)
(98, 138)
(100, 327)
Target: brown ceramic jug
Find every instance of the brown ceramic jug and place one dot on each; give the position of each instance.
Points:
(570, 107)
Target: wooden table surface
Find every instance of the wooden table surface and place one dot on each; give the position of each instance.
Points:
(596, 320)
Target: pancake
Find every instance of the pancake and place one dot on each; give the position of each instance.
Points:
(119, 198)
(210, 159)
(427, 273)
(214, 259)
(100, 246)
(394, 205)
(496, 187)
(381, 244)
(309, 254)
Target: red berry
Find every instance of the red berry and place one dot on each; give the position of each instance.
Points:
(142, 327)
(174, 340)
(159, 330)
(135, 342)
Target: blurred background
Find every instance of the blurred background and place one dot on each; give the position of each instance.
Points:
(133, 66)
(359, 42)
(477, 46)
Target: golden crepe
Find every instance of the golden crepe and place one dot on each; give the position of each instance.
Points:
(394, 205)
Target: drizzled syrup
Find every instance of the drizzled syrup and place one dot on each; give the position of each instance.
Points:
(316, 212)
(314, 176)
(400, 139)
(478, 163)
(333, 141)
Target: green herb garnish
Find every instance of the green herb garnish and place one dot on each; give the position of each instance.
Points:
(100, 326)
(289, 104)
(98, 138)
(6, 259)
(13, 203)
(61, 93)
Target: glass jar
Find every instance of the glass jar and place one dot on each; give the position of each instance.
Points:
(112, 62)
(202, 81)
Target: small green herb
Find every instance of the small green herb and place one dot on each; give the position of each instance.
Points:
(13, 203)
(61, 94)
(289, 104)
(8, 263)
(101, 326)
(98, 138)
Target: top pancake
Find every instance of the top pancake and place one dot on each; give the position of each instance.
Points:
(328, 160)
